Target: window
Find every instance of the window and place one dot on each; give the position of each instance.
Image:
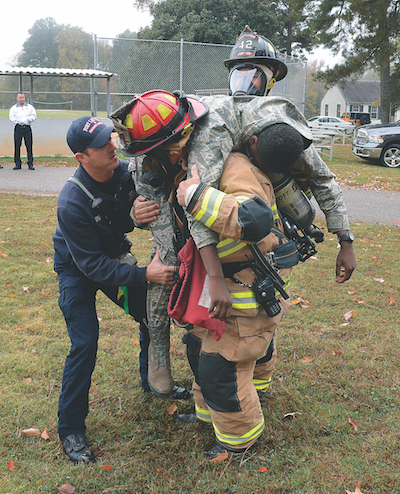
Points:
(355, 108)
(374, 112)
(338, 111)
(326, 109)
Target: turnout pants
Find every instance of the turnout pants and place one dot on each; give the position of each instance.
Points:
(78, 304)
(226, 373)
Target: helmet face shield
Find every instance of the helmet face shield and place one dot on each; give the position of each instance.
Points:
(250, 79)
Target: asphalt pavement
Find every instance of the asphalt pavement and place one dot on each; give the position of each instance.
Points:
(364, 206)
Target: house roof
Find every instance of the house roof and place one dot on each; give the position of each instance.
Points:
(360, 91)
(38, 71)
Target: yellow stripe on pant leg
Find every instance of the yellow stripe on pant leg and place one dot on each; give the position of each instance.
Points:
(239, 441)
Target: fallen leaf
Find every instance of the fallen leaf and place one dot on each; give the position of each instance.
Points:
(262, 458)
(106, 467)
(10, 465)
(337, 352)
(353, 423)
(391, 300)
(9, 284)
(344, 324)
(31, 432)
(298, 300)
(261, 469)
(380, 280)
(27, 380)
(158, 470)
(2, 254)
(135, 342)
(374, 258)
(25, 289)
(219, 458)
(357, 491)
(348, 315)
(306, 305)
(306, 360)
(351, 292)
(33, 352)
(66, 489)
(45, 434)
(172, 409)
(12, 295)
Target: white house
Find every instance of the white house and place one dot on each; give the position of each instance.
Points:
(359, 96)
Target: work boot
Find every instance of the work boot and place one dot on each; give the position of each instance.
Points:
(187, 418)
(159, 377)
(17, 167)
(31, 167)
(180, 393)
(77, 448)
(219, 449)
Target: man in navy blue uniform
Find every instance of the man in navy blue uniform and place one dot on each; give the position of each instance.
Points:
(92, 253)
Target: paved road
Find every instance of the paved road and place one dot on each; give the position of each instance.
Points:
(365, 206)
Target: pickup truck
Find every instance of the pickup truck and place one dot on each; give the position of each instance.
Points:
(379, 141)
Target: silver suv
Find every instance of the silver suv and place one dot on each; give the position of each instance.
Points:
(380, 141)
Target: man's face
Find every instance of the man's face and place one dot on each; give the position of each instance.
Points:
(101, 160)
(21, 99)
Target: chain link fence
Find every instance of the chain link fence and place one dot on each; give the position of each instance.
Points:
(143, 65)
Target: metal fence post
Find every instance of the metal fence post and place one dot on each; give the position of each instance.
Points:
(181, 67)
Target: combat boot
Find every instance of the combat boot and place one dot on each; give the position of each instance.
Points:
(159, 376)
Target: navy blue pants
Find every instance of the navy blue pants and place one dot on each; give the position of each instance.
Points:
(78, 304)
(24, 132)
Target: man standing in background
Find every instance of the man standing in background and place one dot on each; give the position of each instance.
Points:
(22, 114)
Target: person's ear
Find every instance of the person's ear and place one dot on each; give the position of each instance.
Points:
(252, 145)
(81, 157)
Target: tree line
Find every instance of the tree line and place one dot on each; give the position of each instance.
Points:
(364, 32)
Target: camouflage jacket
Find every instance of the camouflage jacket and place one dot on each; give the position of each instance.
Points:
(228, 126)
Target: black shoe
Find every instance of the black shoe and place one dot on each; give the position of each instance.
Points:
(187, 418)
(31, 167)
(17, 167)
(218, 449)
(76, 448)
(179, 393)
(1, 166)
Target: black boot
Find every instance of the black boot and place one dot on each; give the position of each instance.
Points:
(77, 448)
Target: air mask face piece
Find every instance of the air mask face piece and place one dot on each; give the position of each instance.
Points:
(252, 79)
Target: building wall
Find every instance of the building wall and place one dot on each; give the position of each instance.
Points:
(330, 102)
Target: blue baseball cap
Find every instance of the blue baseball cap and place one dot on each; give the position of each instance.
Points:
(87, 132)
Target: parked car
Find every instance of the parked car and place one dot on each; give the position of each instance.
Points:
(379, 141)
(330, 123)
(357, 118)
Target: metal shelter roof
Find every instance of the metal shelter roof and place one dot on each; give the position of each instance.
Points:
(39, 71)
(32, 72)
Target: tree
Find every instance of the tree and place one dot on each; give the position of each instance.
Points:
(315, 89)
(294, 15)
(41, 48)
(372, 27)
(208, 21)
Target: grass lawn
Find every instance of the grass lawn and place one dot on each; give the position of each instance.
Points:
(341, 432)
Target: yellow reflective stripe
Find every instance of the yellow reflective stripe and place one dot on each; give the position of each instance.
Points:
(210, 206)
(275, 211)
(260, 384)
(228, 246)
(240, 440)
(244, 300)
(241, 199)
(203, 415)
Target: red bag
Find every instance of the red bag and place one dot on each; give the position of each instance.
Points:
(190, 299)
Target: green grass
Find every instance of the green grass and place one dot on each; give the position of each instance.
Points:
(354, 375)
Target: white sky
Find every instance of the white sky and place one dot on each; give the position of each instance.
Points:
(107, 23)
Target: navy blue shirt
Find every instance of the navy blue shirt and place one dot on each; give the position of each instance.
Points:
(84, 242)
